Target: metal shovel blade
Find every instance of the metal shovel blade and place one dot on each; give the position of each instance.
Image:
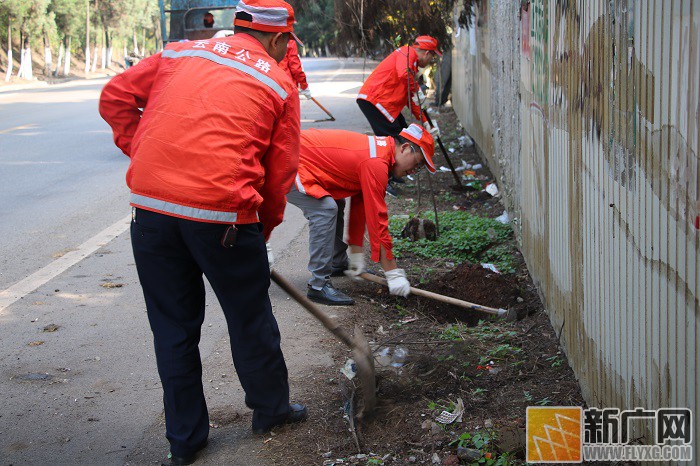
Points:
(330, 117)
(364, 362)
(361, 353)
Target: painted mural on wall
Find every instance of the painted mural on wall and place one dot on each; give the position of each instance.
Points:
(605, 178)
(539, 51)
(609, 94)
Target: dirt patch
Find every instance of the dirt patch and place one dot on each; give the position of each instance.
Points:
(475, 284)
(432, 356)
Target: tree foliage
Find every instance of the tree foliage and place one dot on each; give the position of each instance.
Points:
(371, 27)
(316, 22)
(68, 22)
(377, 26)
(67, 18)
(345, 27)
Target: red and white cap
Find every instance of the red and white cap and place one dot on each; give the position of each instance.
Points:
(424, 140)
(266, 16)
(427, 43)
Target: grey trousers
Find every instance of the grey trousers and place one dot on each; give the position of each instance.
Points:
(327, 250)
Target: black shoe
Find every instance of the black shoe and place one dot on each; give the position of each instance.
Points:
(393, 179)
(297, 413)
(329, 295)
(183, 460)
(390, 190)
(338, 271)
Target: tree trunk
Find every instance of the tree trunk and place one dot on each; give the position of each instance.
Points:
(25, 64)
(98, 37)
(8, 75)
(159, 36)
(66, 69)
(48, 60)
(108, 46)
(87, 37)
(95, 53)
(136, 45)
(61, 52)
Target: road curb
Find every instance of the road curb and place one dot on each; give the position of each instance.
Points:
(38, 84)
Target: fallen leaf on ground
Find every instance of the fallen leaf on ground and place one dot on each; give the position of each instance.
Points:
(51, 328)
(111, 285)
(36, 343)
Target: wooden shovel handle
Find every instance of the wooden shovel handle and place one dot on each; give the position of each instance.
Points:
(439, 297)
(327, 322)
(332, 118)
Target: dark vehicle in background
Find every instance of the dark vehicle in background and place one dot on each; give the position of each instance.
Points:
(188, 19)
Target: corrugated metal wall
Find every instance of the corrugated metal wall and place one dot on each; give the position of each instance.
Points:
(589, 114)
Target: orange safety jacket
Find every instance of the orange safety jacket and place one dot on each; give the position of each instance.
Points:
(387, 86)
(218, 137)
(292, 65)
(344, 164)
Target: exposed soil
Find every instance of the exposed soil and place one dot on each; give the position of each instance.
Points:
(497, 368)
(476, 284)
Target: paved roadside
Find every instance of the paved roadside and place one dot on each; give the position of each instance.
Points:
(38, 83)
(78, 383)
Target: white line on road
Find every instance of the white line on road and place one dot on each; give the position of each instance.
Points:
(22, 288)
(17, 128)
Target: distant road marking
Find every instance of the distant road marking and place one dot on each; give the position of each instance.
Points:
(17, 128)
(22, 288)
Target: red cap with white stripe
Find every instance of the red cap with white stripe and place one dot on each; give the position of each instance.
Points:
(265, 15)
(427, 43)
(424, 140)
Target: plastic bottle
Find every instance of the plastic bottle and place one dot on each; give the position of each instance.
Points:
(399, 357)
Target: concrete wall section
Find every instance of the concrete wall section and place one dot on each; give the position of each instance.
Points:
(588, 112)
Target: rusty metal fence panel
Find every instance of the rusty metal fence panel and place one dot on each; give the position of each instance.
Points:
(600, 175)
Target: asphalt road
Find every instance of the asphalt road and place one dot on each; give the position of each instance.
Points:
(78, 383)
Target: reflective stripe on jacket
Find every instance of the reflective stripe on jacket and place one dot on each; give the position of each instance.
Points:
(291, 64)
(387, 86)
(218, 138)
(344, 164)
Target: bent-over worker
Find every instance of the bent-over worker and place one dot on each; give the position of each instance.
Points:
(393, 85)
(335, 164)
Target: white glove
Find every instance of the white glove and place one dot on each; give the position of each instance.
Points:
(356, 264)
(270, 256)
(306, 93)
(398, 284)
(419, 100)
(434, 130)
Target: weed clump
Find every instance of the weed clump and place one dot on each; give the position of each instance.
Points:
(463, 237)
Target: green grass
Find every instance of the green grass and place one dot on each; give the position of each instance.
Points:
(482, 440)
(463, 238)
(501, 352)
(452, 332)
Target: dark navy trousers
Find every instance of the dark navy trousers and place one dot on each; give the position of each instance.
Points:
(376, 119)
(172, 256)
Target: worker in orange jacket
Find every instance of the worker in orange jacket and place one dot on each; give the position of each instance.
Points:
(212, 130)
(393, 85)
(291, 64)
(335, 164)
